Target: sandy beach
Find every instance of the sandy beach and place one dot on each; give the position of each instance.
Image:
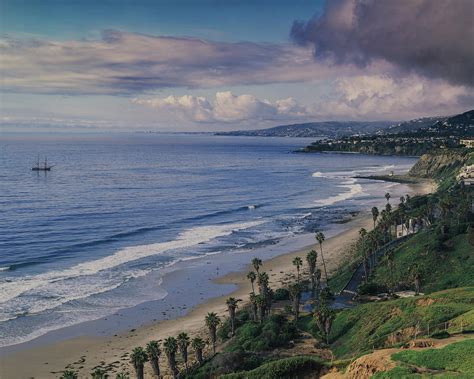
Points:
(85, 353)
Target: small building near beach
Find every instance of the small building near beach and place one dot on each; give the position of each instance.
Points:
(466, 174)
(467, 142)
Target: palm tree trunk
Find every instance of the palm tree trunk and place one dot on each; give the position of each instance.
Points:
(213, 340)
(324, 264)
(199, 356)
(296, 307)
(155, 366)
(139, 371)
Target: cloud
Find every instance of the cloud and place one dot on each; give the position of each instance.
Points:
(226, 108)
(127, 63)
(433, 38)
(386, 97)
(363, 97)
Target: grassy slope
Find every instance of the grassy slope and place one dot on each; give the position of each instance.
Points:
(359, 329)
(448, 266)
(455, 360)
(294, 367)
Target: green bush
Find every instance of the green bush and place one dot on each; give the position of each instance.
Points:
(397, 373)
(440, 335)
(369, 288)
(225, 363)
(241, 318)
(281, 294)
(289, 368)
(275, 332)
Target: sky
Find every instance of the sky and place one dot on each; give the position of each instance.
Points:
(190, 65)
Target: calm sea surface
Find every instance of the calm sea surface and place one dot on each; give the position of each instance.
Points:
(116, 208)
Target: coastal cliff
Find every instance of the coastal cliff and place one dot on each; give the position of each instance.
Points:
(439, 163)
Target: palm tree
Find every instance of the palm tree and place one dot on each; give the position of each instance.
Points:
(154, 351)
(375, 214)
(262, 281)
(320, 238)
(183, 343)
(298, 262)
(170, 346)
(253, 303)
(318, 282)
(416, 279)
(138, 359)
(387, 196)
(231, 307)
(295, 294)
(212, 320)
(69, 374)
(122, 375)
(324, 316)
(252, 277)
(261, 305)
(99, 374)
(390, 257)
(312, 259)
(198, 345)
(256, 263)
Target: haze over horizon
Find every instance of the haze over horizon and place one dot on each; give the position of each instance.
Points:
(223, 65)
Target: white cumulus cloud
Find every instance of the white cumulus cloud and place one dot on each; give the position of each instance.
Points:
(226, 107)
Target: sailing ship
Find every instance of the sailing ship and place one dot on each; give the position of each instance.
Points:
(43, 167)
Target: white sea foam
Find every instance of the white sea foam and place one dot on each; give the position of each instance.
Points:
(362, 171)
(74, 315)
(354, 190)
(192, 237)
(350, 183)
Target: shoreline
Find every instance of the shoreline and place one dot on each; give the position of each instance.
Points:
(85, 353)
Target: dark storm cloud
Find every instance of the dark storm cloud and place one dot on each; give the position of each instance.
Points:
(433, 38)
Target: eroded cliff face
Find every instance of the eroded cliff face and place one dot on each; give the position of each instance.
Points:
(439, 163)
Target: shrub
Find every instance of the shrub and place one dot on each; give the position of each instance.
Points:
(241, 318)
(275, 332)
(441, 335)
(281, 294)
(225, 363)
(370, 288)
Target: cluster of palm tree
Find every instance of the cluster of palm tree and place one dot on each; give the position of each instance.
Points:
(313, 272)
(324, 317)
(261, 303)
(171, 346)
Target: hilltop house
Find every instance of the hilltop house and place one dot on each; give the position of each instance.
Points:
(468, 142)
(467, 175)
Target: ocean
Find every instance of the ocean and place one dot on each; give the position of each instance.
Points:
(96, 234)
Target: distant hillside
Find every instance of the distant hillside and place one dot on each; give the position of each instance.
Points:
(315, 129)
(458, 125)
(461, 125)
(410, 126)
(442, 133)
